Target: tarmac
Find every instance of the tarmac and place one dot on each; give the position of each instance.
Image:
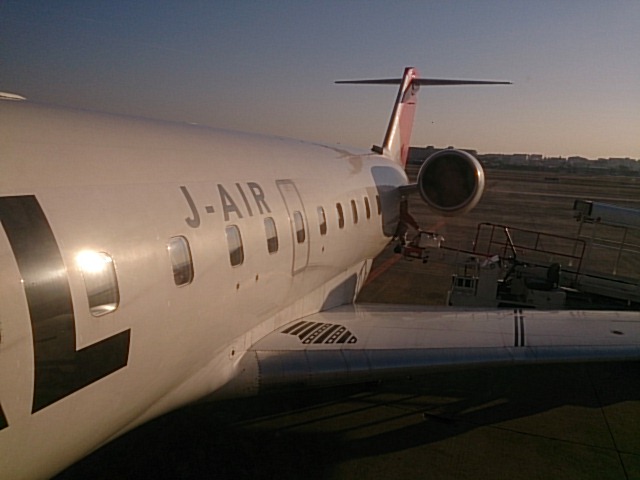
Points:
(566, 421)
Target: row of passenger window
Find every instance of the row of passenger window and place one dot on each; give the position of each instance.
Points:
(99, 272)
(234, 238)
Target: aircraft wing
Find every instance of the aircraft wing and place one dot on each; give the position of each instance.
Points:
(359, 343)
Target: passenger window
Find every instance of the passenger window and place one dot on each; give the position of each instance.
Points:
(367, 208)
(234, 241)
(340, 215)
(272, 234)
(181, 261)
(100, 280)
(299, 224)
(354, 211)
(378, 204)
(322, 220)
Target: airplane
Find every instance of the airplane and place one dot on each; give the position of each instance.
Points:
(146, 265)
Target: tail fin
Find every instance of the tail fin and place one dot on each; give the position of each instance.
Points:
(396, 140)
(398, 136)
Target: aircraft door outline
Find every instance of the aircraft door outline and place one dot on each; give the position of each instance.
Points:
(300, 240)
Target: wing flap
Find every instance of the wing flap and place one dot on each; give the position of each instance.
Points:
(359, 343)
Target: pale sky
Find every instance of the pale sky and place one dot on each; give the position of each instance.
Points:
(269, 67)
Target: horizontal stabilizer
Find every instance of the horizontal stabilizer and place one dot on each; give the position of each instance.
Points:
(425, 82)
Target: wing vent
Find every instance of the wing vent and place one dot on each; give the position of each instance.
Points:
(318, 332)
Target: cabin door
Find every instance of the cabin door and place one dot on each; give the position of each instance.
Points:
(298, 225)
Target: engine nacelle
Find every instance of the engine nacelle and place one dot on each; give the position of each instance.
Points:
(451, 182)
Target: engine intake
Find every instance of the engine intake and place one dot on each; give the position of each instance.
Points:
(451, 182)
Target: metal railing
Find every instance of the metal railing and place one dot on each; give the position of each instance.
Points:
(537, 248)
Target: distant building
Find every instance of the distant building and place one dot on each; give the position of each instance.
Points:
(536, 161)
(554, 163)
(417, 155)
(624, 165)
(518, 159)
(577, 161)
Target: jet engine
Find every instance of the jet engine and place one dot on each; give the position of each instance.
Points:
(451, 182)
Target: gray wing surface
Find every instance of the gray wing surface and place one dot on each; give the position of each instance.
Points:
(359, 343)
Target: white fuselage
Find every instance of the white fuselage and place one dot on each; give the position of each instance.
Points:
(125, 187)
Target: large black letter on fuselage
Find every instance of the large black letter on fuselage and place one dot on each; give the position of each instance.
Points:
(3, 419)
(228, 205)
(60, 369)
(195, 221)
(258, 196)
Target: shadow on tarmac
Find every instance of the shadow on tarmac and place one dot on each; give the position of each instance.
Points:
(313, 434)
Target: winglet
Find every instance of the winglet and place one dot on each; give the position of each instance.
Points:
(396, 140)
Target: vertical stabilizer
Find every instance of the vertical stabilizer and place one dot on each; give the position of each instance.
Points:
(396, 140)
(398, 136)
